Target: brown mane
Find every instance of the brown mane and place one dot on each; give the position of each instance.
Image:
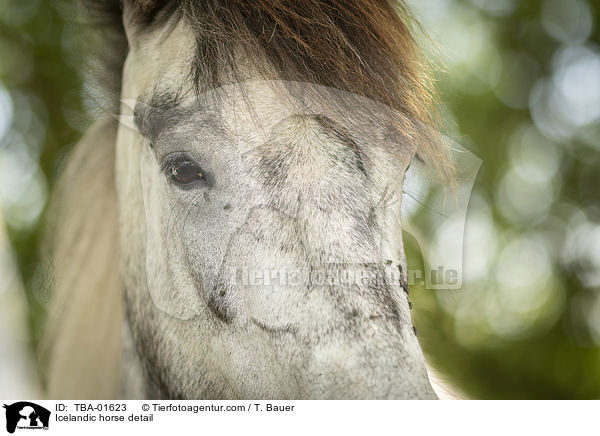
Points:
(365, 47)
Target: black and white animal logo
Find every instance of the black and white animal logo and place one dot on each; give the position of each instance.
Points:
(26, 415)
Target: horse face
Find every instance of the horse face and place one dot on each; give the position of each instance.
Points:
(260, 238)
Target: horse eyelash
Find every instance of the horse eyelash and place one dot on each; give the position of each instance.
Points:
(170, 162)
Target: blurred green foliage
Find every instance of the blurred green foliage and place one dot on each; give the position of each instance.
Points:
(523, 88)
(521, 85)
(41, 117)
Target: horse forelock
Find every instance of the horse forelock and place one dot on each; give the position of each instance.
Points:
(363, 47)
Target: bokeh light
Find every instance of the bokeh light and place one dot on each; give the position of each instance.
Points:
(521, 90)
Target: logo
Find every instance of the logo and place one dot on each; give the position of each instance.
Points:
(26, 415)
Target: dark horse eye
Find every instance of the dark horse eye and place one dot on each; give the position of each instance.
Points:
(186, 173)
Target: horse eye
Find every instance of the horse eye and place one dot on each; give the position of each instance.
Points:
(186, 172)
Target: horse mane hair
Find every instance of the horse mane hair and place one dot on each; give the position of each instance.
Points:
(82, 339)
(366, 47)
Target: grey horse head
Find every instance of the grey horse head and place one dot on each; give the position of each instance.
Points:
(261, 249)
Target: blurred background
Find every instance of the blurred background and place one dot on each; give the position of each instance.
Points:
(520, 86)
